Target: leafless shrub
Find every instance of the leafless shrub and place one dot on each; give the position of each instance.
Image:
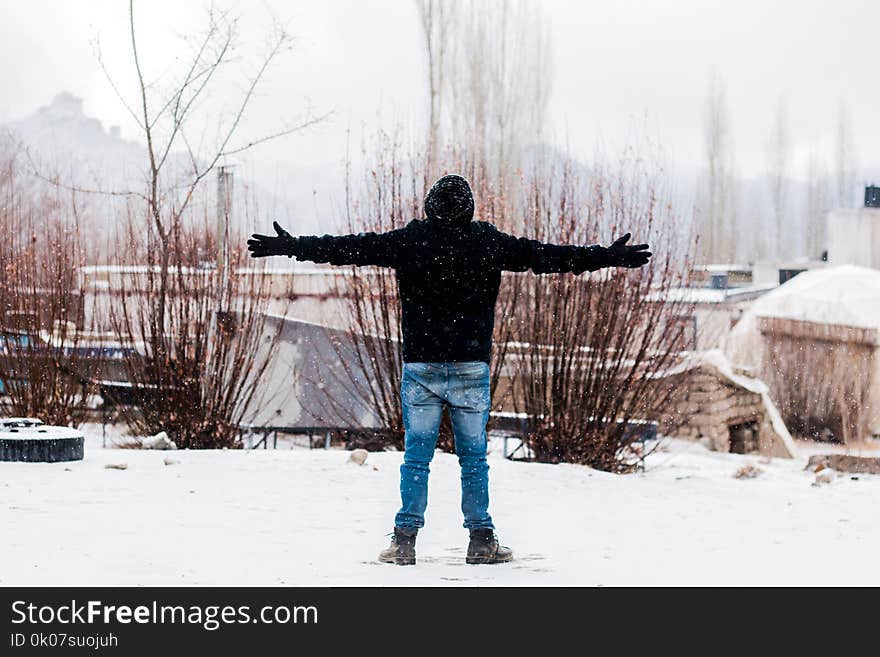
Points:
(374, 307)
(43, 370)
(201, 344)
(588, 348)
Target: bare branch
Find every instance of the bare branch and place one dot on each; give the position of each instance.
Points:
(147, 125)
(277, 135)
(281, 39)
(179, 115)
(100, 57)
(35, 170)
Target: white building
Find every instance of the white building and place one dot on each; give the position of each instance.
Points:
(854, 233)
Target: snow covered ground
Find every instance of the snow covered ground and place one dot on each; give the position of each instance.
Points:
(301, 517)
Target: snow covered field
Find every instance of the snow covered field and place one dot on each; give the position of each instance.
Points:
(301, 517)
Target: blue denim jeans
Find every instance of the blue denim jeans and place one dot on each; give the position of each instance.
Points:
(425, 389)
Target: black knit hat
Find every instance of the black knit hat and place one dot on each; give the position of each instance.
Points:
(450, 202)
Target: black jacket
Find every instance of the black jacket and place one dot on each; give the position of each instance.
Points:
(448, 277)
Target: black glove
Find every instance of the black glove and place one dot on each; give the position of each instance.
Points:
(261, 246)
(621, 255)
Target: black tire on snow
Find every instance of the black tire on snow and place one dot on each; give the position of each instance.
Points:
(41, 450)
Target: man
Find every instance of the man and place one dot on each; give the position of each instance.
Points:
(448, 272)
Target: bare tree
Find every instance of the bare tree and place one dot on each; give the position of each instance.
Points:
(778, 155)
(163, 120)
(844, 158)
(436, 20)
(44, 368)
(816, 205)
(717, 216)
(490, 82)
(194, 374)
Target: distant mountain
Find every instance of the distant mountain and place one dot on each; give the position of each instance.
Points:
(61, 143)
(63, 121)
(64, 142)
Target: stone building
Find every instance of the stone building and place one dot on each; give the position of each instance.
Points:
(722, 408)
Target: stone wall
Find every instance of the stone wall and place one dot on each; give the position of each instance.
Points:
(710, 402)
(726, 412)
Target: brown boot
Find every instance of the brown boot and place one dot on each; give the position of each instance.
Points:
(402, 550)
(484, 548)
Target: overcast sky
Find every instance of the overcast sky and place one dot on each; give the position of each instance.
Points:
(617, 66)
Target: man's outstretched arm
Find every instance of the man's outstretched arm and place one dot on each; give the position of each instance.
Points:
(378, 249)
(522, 254)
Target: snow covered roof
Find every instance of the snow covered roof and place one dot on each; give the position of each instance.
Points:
(723, 268)
(847, 295)
(708, 294)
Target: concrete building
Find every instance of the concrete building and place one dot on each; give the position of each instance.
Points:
(854, 233)
(313, 379)
(717, 299)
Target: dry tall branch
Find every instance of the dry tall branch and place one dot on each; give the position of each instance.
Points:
(778, 171)
(44, 366)
(717, 216)
(588, 349)
(844, 158)
(196, 374)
